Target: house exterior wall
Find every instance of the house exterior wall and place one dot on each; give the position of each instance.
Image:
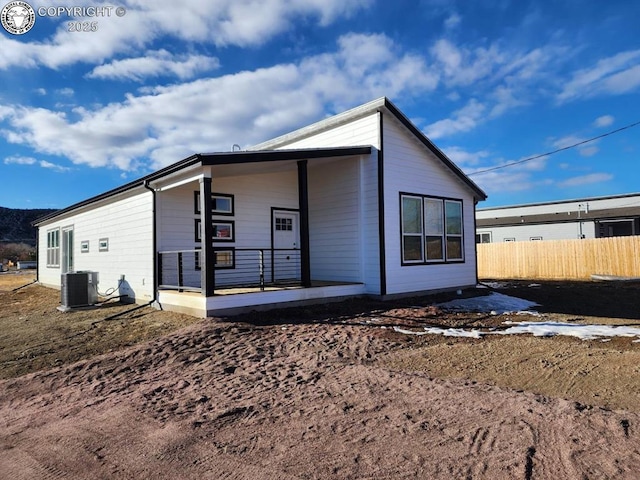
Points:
(363, 131)
(254, 196)
(334, 220)
(559, 231)
(568, 206)
(127, 223)
(519, 222)
(409, 167)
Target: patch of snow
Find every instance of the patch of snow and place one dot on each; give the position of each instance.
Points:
(538, 329)
(447, 332)
(584, 332)
(495, 303)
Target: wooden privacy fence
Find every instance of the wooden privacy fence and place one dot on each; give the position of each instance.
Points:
(560, 259)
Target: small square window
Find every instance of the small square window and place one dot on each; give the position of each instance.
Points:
(84, 246)
(103, 245)
(284, 224)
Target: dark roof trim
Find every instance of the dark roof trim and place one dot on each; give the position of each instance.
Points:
(431, 146)
(279, 155)
(207, 159)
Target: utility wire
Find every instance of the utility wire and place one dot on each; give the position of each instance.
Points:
(518, 162)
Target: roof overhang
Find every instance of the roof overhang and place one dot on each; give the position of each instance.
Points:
(211, 159)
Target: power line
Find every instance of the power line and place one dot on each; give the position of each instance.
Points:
(518, 162)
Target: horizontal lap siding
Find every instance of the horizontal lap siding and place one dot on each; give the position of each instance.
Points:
(254, 195)
(363, 131)
(410, 167)
(128, 224)
(558, 231)
(334, 218)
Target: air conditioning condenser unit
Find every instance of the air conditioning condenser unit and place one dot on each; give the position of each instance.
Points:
(79, 289)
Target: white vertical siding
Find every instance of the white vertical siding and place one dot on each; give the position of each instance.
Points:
(410, 167)
(127, 222)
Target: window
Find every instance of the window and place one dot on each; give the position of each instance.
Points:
(224, 258)
(53, 248)
(222, 231)
(284, 224)
(483, 237)
(84, 246)
(434, 229)
(103, 245)
(412, 229)
(535, 238)
(221, 204)
(453, 217)
(431, 229)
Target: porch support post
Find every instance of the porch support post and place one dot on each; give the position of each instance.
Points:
(303, 201)
(207, 255)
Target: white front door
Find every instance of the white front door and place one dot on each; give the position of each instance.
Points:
(286, 245)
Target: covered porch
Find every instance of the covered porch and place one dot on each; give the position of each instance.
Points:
(277, 235)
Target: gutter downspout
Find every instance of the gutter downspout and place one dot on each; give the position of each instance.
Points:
(154, 241)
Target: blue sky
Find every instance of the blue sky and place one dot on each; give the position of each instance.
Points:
(490, 82)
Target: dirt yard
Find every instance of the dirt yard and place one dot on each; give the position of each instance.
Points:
(330, 391)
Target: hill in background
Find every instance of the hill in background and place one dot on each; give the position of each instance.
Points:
(15, 224)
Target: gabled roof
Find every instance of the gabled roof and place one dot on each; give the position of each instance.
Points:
(220, 158)
(382, 104)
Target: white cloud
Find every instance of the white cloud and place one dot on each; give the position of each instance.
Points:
(53, 166)
(586, 180)
(153, 64)
(18, 160)
(464, 158)
(452, 21)
(614, 75)
(504, 78)
(463, 120)
(166, 123)
(217, 22)
(462, 66)
(603, 121)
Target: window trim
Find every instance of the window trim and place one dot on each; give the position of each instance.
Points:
(424, 235)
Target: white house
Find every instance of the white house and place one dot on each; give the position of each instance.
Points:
(361, 203)
(592, 217)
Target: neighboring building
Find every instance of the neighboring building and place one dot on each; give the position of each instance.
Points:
(361, 203)
(594, 217)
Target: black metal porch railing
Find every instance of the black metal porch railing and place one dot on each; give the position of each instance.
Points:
(234, 268)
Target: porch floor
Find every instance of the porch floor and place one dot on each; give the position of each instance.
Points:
(236, 298)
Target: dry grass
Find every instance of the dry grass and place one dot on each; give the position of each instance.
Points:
(34, 335)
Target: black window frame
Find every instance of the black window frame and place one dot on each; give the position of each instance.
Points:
(447, 237)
